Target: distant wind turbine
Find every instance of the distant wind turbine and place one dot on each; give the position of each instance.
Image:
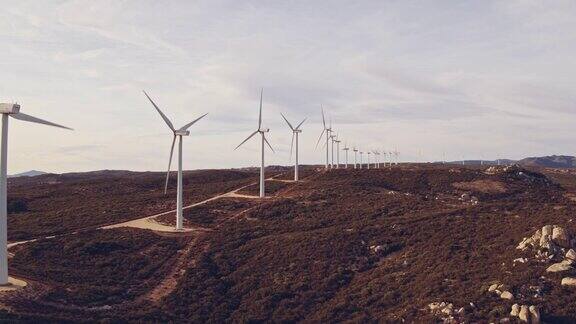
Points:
(346, 149)
(178, 133)
(9, 110)
(262, 132)
(355, 157)
(326, 130)
(368, 159)
(295, 131)
(361, 162)
(337, 141)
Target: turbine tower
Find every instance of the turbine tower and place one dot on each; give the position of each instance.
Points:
(345, 149)
(9, 110)
(295, 131)
(178, 133)
(361, 162)
(355, 157)
(326, 130)
(332, 141)
(262, 132)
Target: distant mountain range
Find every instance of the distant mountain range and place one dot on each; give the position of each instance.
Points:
(31, 173)
(552, 161)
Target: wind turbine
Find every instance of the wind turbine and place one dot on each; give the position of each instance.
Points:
(376, 160)
(355, 157)
(326, 130)
(178, 133)
(368, 159)
(295, 131)
(390, 158)
(262, 131)
(361, 159)
(337, 141)
(345, 149)
(9, 110)
(333, 140)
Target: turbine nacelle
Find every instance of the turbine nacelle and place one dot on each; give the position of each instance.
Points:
(179, 132)
(264, 130)
(9, 108)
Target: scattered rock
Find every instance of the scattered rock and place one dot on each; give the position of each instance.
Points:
(571, 254)
(507, 295)
(515, 310)
(569, 281)
(493, 287)
(524, 313)
(559, 267)
(534, 314)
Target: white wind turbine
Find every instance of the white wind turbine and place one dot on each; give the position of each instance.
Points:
(295, 131)
(9, 110)
(346, 149)
(361, 162)
(332, 141)
(337, 141)
(355, 157)
(326, 130)
(376, 159)
(177, 133)
(262, 131)
(368, 159)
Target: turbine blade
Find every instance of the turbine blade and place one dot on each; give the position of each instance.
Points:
(302, 122)
(291, 145)
(323, 119)
(185, 127)
(249, 137)
(168, 122)
(270, 146)
(31, 119)
(260, 116)
(287, 122)
(320, 138)
(169, 164)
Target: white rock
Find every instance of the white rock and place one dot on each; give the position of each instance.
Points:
(534, 314)
(526, 242)
(558, 267)
(507, 295)
(569, 281)
(524, 313)
(493, 287)
(515, 310)
(571, 254)
(561, 236)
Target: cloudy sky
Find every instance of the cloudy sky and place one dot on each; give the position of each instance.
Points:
(473, 79)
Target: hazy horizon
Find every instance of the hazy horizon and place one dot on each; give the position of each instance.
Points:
(476, 80)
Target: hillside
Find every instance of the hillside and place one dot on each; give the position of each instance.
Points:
(31, 173)
(379, 245)
(553, 161)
